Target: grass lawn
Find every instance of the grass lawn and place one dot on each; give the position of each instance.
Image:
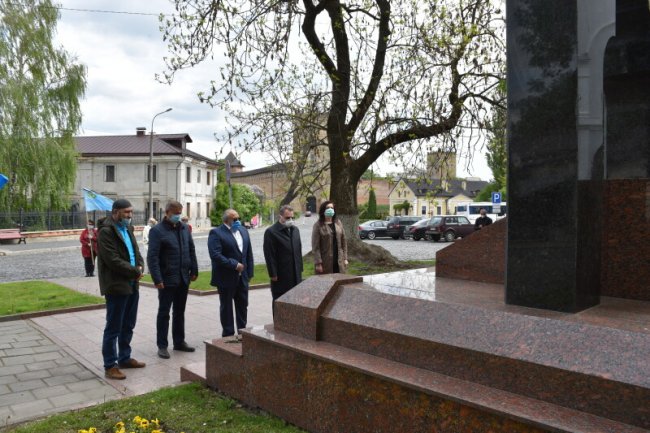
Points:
(261, 276)
(187, 408)
(30, 296)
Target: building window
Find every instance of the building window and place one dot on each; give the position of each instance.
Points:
(439, 209)
(155, 173)
(187, 211)
(198, 176)
(188, 175)
(198, 210)
(207, 174)
(109, 173)
(424, 210)
(207, 209)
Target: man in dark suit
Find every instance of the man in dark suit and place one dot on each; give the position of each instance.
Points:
(232, 268)
(283, 253)
(173, 265)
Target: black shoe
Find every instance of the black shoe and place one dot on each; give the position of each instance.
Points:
(183, 347)
(163, 353)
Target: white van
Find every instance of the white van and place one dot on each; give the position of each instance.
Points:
(472, 210)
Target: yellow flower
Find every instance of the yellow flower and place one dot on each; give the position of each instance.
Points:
(137, 419)
(121, 430)
(82, 431)
(144, 423)
(155, 422)
(156, 431)
(92, 430)
(119, 425)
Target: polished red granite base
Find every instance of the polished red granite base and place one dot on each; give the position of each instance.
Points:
(626, 243)
(408, 352)
(478, 257)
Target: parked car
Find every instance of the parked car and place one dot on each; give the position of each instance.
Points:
(398, 225)
(372, 229)
(448, 227)
(417, 230)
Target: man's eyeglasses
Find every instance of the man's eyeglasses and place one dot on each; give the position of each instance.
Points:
(235, 219)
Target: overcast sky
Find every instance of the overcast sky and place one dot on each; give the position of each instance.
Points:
(124, 51)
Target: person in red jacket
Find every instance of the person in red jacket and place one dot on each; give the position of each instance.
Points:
(88, 239)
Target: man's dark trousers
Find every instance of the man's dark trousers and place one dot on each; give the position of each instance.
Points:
(168, 297)
(239, 295)
(121, 314)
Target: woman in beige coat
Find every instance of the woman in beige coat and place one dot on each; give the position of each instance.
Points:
(328, 243)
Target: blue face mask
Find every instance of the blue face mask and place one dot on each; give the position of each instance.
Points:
(236, 224)
(329, 212)
(175, 219)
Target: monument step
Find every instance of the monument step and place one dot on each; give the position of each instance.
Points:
(563, 362)
(303, 359)
(194, 372)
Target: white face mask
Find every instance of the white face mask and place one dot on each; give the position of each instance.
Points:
(289, 223)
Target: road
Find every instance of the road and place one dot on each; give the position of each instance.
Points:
(43, 259)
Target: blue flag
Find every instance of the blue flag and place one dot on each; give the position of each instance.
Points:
(3, 180)
(96, 201)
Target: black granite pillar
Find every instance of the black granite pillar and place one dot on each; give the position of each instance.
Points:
(553, 250)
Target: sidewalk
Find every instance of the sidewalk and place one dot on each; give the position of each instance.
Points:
(74, 339)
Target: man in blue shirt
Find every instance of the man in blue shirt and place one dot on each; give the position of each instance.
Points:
(120, 267)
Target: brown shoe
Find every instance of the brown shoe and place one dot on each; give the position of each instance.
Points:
(132, 363)
(114, 373)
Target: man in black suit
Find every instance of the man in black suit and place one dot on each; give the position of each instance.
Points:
(232, 268)
(283, 253)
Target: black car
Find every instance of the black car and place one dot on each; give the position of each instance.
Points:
(372, 229)
(416, 231)
(398, 225)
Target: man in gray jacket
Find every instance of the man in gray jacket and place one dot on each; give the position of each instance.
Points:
(120, 267)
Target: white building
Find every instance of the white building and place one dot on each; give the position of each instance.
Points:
(117, 166)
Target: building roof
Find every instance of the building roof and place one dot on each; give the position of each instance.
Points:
(137, 145)
(454, 187)
(234, 162)
(269, 169)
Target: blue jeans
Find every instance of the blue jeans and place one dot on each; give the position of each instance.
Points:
(168, 297)
(121, 314)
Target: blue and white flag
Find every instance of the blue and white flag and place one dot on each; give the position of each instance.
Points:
(3, 180)
(95, 201)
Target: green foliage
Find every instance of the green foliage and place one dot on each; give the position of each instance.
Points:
(40, 88)
(402, 207)
(486, 193)
(31, 296)
(372, 204)
(244, 201)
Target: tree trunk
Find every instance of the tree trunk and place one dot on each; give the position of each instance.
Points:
(343, 192)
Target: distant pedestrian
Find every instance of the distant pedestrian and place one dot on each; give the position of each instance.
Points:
(328, 243)
(185, 220)
(231, 253)
(88, 239)
(483, 220)
(120, 267)
(145, 231)
(283, 253)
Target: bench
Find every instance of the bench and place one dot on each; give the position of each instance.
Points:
(10, 234)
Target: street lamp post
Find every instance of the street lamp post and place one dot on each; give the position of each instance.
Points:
(151, 163)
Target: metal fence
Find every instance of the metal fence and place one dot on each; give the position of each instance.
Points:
(57, 220)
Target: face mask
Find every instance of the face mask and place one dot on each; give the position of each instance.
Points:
(125, 222)
(91, 227)
(329, 212)
(175, 219)
(289, 223)
(235, 224)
